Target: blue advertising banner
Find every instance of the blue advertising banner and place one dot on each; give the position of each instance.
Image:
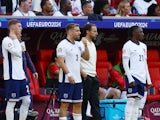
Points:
(107, 22)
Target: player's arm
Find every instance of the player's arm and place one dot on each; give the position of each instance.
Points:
(148, 76)
(147, 71)
(31, 65)
(125, 60)
(60, 60)
(85, 54)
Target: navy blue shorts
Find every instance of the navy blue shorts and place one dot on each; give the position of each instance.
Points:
(70, 92)
(14, 89)
(136, 91)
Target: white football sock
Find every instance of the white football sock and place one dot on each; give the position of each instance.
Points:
(77, 116)
(129, 108)
(24, 107)
(10, 110)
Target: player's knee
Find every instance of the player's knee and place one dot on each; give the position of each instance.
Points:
(117, 93)
(77, 108)
(26, 101)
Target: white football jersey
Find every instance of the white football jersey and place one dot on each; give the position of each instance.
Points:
(12, 65)
(72, 56)
(137, 55)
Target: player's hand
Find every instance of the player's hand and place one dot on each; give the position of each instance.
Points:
(84, 40)
(149, 86)
(19, 35)
(71, 80)
(35, 75)
(132, 84)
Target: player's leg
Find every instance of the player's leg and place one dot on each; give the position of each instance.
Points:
(65, 96)
(140, 91)
(142, 103)
(113, 93)
(24, 107)
(132, 92)
(87, 84)
(129, 108)
(63, 110)
(123, 95)
(10, 110)
(103, 93)
(77, 111)
(77, 101)
(25, 97)
(94, 100)
(12, 96)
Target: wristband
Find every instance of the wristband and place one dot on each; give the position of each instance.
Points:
(69, 74)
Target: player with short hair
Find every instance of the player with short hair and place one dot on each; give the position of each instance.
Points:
(13, 73)
(134, 58)
(69, 52)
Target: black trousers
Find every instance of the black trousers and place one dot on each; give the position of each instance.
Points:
(90, 93)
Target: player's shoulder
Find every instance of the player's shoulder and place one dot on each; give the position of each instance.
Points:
(63, 43)
(128, 43)
(6, 39)
(143, 44)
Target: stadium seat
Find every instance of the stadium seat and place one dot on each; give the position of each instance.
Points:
(154, 93)
(153, 56)
(104, 64)
(118, 57)
(102, 55)
(35, 90)
(44, 59)
(102, 74)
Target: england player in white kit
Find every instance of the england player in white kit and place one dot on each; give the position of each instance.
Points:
(134, 58)
(69, 52)
(13, 73)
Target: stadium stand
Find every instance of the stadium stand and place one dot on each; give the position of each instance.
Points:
(44, 59)
(35, 90)
(103, 67)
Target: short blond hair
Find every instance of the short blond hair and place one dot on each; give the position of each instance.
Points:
(71, 26)
(13, 22)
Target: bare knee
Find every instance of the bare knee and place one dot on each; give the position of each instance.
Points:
(77, 108)
(102, 93)
(63, 109)
(117, 94)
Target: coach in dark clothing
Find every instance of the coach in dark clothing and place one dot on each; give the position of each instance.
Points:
(91, 82)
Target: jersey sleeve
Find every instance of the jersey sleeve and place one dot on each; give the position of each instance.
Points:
(61, 51)
(13, 46)
(126, 51)
(125, 60)
(147, 71)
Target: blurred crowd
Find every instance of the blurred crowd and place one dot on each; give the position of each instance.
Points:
(116, 8)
